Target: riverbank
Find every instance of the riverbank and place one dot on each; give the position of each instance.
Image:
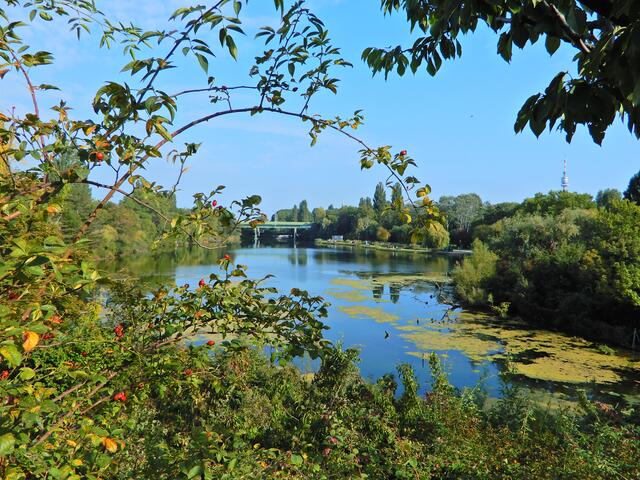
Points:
(388, 246)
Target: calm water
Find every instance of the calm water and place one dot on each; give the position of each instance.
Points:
(380, 305)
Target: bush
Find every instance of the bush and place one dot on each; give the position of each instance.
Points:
(382, 234)
(471, 276)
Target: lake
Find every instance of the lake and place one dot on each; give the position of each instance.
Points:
(387, 305)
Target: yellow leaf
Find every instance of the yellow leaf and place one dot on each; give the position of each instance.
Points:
(30, 340)
(71, 443)
(110, 445)
(407, 218)
(53, 208)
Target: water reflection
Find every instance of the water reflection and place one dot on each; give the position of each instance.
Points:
(386, 304)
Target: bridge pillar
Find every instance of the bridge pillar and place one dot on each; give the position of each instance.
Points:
(295, 235)
(256, 236)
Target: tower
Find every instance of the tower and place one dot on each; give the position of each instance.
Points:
(564, 181)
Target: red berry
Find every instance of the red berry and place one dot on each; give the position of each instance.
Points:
(4, 374)
(333, 440)
(214, 203)
(227, 258)
(120, 397)
(188, 372)
(84, 354)
(202, 283)
(119, 331)
(326, 452)
(211, 343)
(403, 152)
(99, 156)
(48, 336)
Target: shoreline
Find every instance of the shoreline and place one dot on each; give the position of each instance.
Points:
(388, 247)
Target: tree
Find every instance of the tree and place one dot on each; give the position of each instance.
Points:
(606, 198)
(319, 214)
(437, 237)
(380, 202)
(555, 202)
(382, 234)
(473, 274)
(76, 205)
(461, 212)
(632, 192)
(304, 215)
(396, 195)
(602, 32)
(616, 240)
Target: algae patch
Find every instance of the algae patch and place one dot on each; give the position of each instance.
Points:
(352, 282)
(373, 313)
(354, 295)
(536, 354)
(405, 279)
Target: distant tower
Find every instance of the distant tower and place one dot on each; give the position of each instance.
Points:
(564, 181)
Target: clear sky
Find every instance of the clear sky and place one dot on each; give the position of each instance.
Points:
(458, 126)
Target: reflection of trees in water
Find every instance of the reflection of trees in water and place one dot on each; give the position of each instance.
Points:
(153, 269)
(298, 256)
(394, 292)
(417, 261)
(378, 291)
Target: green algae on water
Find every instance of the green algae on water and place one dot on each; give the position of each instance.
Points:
(354, 295)
(536, 354)
(374, 313)
(353, 283)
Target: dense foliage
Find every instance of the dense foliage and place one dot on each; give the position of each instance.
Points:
(105, 378)
(563, 262)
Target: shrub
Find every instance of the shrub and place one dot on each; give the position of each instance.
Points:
(471, 276)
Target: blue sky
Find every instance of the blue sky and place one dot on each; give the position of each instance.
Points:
(458, 126)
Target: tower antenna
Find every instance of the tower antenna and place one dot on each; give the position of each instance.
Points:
(564, 181)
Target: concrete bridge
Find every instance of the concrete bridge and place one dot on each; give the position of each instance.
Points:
(291, 227)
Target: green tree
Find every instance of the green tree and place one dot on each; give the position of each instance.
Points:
(555, 202)
(632, 192)
(397, 199)
(380, 202)
(473, 274)
(77, 204)
(437, 236)
(382, 234)
(602, 32)
(616, 239)
(606, 198)
(319, 214)
(304, 215)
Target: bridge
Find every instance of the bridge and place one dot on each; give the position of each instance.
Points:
(292, 227)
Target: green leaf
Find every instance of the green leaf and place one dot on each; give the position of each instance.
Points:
(552, 44)
(10, 352)
(27, 373)
(296, 460)
(7, 442)
(197, 470)
(231, 45)
(204, 63)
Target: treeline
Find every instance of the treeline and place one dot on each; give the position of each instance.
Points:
(135, 224)
(373, 219)
(562, 259)
(466, 216)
